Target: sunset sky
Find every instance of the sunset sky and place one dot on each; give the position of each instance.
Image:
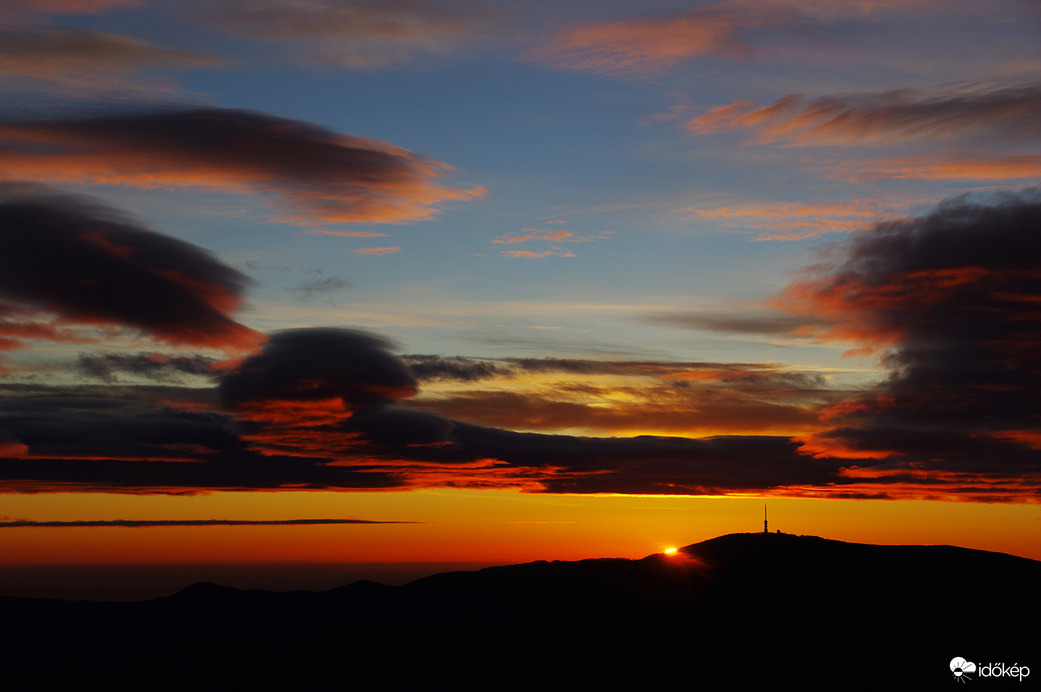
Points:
(324, 281)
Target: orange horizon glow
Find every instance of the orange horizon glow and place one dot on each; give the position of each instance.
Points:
(489, 526)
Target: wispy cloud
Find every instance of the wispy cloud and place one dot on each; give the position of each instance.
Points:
(940, 167)
(157, 367)
(353, 34)
(151, 523)
(636, 46)
(969, 111)
(391, 250)
(785, 221)
(82, 58)
(325, 285)
(20, 9)
(553, 238)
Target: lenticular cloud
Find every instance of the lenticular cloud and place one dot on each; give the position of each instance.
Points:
(84, 263)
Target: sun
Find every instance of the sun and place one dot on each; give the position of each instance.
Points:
(670, 551)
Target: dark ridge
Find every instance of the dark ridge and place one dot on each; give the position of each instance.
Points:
(729, 613)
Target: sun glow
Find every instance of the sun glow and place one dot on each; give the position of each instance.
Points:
(670, 551)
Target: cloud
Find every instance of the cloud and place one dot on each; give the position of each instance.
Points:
(95, 428)
(651, 45)
(325, 177)
(84, 57)
(150, 523)
(328, 284)
(53, 445)
(646, 368)
(323, 408)
(553, 237)
(952, 299)
(333, 373)
(117, 445)
(773, 324)
(630, 397)
(345, 234)
(86, 264)
(317, 408)
(949, 167)
(970, 112)
(355, 34)
(19, 9)
(697, 411)
(158, 367)
(447, 452)
(787, 221)
(377, 250)
(532, 254)
(456, 368)
(19, 323)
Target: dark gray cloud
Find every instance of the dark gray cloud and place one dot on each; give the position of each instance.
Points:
(111, 445)
(98, 428)
(953, 300)
(301, 370)
(314, 366)
(315, 408)
(567, 463)
(431, 367)
(952, 294)
(88, 264)
(158, 367)
(774, 324)
(317, 287)
(324, 176)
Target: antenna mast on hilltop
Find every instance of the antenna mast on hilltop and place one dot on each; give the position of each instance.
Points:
(765, 529)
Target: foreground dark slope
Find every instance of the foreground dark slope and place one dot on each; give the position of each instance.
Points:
(722, 614)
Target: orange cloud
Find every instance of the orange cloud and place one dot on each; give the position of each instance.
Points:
(377, 250)
(798, 221)
(884, 117)
(554, 238)
(530, 254)
(345, 234)
(954, 168)
(325, 176)
(653, 45)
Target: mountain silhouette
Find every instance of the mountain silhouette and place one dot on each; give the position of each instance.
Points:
(728, 613)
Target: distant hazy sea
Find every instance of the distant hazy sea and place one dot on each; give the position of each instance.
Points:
(141, 582)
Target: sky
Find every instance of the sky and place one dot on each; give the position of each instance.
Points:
(317, 281)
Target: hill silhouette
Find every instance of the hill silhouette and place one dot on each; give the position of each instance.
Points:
(727, 613)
